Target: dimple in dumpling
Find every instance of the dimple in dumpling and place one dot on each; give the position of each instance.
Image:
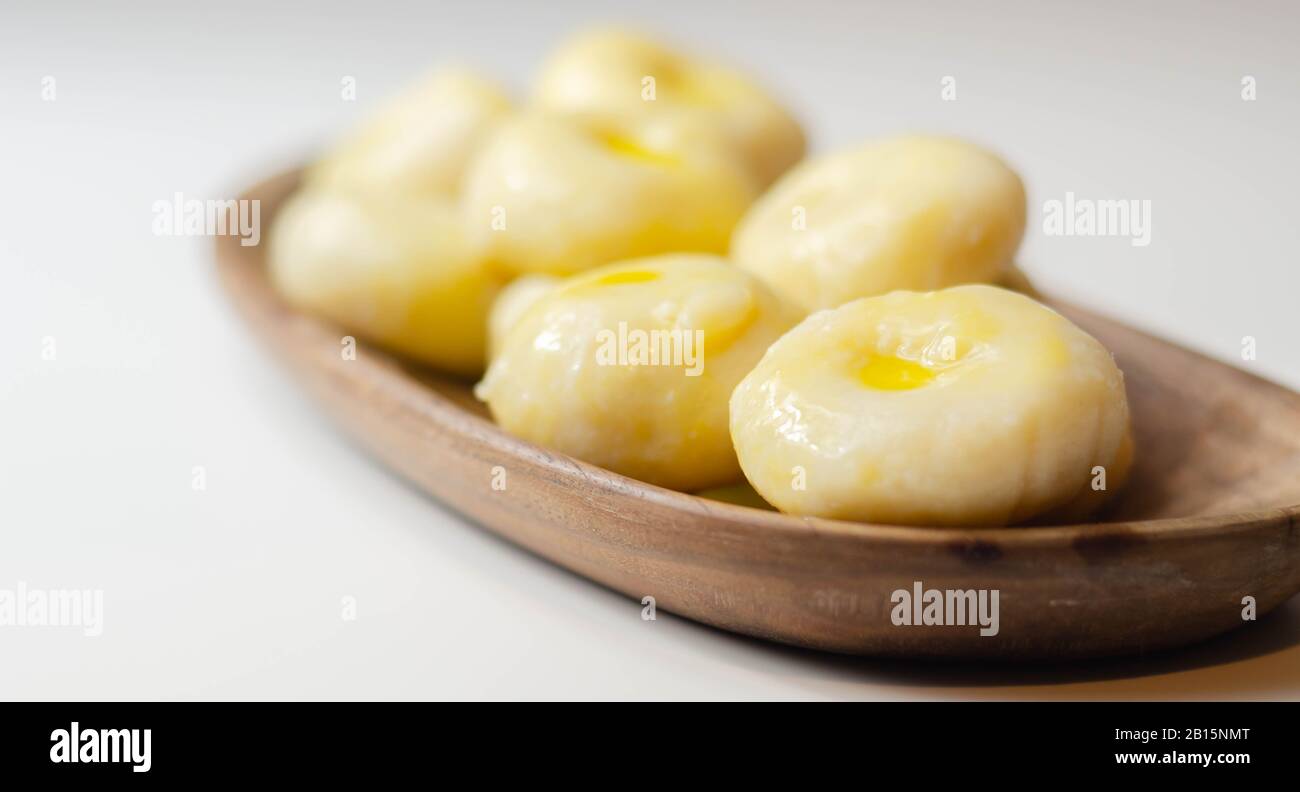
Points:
(916, 213)
(609, 70)
(630, 366)
(968, 406)
(420, 140)
(396, 271)
(561, 195)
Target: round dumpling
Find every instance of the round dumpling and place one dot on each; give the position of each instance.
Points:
(915, 213)
(630, 366)
(968, 406)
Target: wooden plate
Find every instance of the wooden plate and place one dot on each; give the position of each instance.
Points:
(1210, 516)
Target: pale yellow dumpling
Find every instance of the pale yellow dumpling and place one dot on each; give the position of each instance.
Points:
(398, 272)
(418, 141)
(968, 406)
(916, 213)
(608, 70)
(630, 366)
(512, 302)
(561, 195)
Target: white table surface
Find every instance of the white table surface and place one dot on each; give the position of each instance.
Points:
(235, 591)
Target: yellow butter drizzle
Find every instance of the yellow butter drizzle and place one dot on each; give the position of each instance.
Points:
(886, 372)
(627, 276)
(631, 148)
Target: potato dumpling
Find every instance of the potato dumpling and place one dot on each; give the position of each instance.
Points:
(511, 303)
(420, 140)
(611, 70)
(630, 366)
(398, 272)
(968, 406)
(916, 213)
(561, 195)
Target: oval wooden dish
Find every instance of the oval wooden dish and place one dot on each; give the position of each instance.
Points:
(1209, 518)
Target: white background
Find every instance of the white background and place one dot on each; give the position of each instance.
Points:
(235, 592)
